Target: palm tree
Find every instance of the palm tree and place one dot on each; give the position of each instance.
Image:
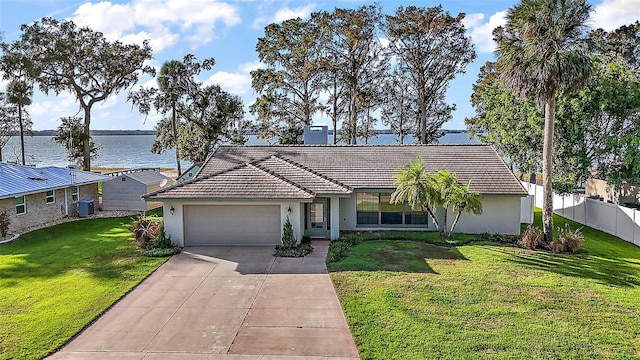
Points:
(415, 186)
(462, 199)
(543, 50)
(173, 84)
(20, 94)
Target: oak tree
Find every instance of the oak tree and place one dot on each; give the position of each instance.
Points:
(61, 57)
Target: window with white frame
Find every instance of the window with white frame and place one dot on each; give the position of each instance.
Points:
(51, 197)
(21, 205)
(74, 193)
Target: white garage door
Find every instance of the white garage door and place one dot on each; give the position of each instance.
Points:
(231, 225)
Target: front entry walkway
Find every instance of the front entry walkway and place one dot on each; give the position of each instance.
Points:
(224, 303)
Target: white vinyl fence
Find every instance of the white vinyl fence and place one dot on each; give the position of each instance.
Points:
(617, 220)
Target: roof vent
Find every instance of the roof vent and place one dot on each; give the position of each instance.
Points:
(316, 135)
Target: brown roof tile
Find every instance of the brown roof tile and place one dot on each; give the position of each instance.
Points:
(329, 169)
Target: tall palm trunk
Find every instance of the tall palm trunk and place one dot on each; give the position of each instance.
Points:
(21, 133)
(547, 157)
(175, 137)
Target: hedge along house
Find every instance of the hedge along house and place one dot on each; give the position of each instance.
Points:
(35, 196)
(125, 189)
(244, 194)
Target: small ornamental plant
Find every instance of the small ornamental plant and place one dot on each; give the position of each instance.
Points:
(4, 223)
(290, 246)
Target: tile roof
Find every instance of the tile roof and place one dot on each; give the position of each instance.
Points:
(18, 180)
(330, 169)
(245, 181)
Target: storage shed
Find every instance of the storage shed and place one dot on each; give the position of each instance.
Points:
(125, 190)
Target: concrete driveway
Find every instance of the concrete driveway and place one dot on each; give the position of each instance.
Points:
(224, 303)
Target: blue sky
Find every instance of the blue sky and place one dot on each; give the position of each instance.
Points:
(228, 31)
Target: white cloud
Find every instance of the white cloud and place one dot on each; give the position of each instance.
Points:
(611, 14)
(163, 22)
(482, 32)
(239, 82)
(283, 14)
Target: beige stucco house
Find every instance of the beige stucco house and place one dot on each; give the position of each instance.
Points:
(244, 194)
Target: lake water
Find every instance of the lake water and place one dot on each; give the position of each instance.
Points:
(130, 151)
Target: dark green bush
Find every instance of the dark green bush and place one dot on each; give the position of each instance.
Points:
(338, 250)
(162, 240)
(296, 251)
(288, 239)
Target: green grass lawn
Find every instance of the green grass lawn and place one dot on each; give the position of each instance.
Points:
(54, 281)
(409, 300)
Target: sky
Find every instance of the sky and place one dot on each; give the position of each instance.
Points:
(228, 31)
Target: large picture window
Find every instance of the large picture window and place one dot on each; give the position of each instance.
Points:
(376, 209)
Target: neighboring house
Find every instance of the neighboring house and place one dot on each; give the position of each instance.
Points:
(35, 196)
(626, 195)
(190, 173)
(244, 194)
(125, 189)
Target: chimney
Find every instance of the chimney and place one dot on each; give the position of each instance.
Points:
(316, 135)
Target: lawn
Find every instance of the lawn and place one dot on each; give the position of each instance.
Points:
(410, 300)
(55, 281)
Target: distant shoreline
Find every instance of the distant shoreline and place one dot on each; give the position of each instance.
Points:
(153, 132)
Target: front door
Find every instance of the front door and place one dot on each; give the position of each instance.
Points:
(317, 218)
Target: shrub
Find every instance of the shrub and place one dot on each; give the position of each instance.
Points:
(568, 240)
(144, 229)
(288, 239)
(338, 250)
(161, 252)
(4, 223)
(296, 251)
(162, 240)
(532, 238)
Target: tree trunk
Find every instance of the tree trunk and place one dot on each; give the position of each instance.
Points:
(21, 133)
(444, 226)
(433, 217)
(354, 118)
(335, 113)
(532, 178)
(455, 222)
(547, 163)
(86, 149)
(175, 137)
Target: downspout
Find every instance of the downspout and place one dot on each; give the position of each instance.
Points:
(66, 203)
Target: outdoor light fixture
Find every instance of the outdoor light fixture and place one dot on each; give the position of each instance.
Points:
(172, 210)
(289, 210)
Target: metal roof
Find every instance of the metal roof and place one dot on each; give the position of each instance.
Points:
(17, 180)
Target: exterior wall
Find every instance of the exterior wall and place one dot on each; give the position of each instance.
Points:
(150, 205)
(124, 195)
(501, 214)
(627, 194)
(40, 213)
(174, 224)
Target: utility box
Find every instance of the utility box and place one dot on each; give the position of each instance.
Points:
(85, 208)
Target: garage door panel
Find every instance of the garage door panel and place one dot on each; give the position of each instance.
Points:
(232, 224)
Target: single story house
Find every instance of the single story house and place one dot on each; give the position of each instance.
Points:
(33, 196)
(125, 189)
(244, 194)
